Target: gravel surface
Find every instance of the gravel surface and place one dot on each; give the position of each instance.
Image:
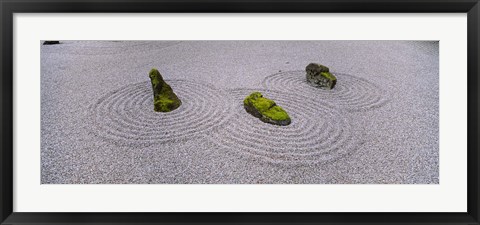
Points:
(378, 125)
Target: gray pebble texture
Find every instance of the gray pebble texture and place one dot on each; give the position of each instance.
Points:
(379, 125)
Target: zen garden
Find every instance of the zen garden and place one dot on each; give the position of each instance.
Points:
(239, 112)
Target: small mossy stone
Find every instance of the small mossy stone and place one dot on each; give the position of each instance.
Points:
(266, 109)
(319, 76)
(164, 99)
(51, 42)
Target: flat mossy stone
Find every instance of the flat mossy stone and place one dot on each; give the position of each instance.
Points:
(51, 42)
(164, 99)
(319, 76)
(266, 109)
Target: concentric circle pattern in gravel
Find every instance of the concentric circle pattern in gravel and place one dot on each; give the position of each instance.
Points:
(126, 116)
(350, 93)
(318, 132)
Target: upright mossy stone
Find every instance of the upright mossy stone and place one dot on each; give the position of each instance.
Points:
(265, 109)
(320, 76)
(164, 100)
(51, 42)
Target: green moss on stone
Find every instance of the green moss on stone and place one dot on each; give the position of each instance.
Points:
(164, 99)
(328, 75)
(263, 104)
(252, 98)
(319, 76)
(266, 109)
(276, 113)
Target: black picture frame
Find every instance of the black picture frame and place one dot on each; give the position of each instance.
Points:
(9, 7)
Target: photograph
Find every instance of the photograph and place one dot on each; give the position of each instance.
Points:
(239, 111)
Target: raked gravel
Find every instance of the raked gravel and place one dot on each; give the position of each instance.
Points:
(378, 125)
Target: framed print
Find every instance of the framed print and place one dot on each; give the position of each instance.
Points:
(260, 112)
